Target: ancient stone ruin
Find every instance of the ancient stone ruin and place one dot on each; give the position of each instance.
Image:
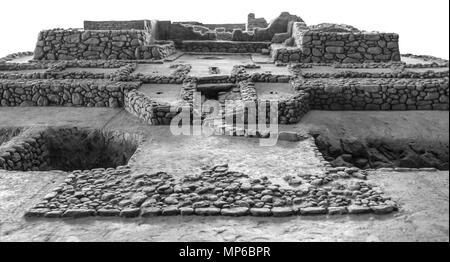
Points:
(154, 69)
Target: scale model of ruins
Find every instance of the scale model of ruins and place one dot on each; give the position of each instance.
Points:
(155, 69)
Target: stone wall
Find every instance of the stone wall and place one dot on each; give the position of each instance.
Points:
(377, 94)
(349, 47)
(117, 25)
(89, 45)
(291, 110)
(223, 46)
(25, 152)
(149, 111)
(157, 50)
(88, 93)
(285, 54)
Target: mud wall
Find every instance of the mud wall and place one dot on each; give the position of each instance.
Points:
(89, 93)
(25, 152)
(90, 45)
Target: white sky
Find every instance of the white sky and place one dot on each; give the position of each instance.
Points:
(423, 25)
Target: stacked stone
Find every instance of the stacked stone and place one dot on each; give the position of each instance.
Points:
(248, 91)
(402, 74)
(156, 51)
(123, 73)
(349, 47)
(22, 66)
(15, 56)
(377, 94)
(25, 152)
(89, 93)
(286, 54)
(215, 191)
(151, 112)
(223, 46)
(90, 45)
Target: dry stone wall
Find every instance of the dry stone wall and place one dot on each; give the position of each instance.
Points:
(349, 47)
(377, 94)
(89, 45)
(151, 112)
(117, 25)
(88, 93)
(25, 152)
(224, 46)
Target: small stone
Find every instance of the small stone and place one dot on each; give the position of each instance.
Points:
(186, 211)
(170, 211)
(282, 211)
(108, 212)
(260, 212)
(313, 211)
(76, 213)
(53, 214)
(130, 212)
(151, 211)
(237, 211)
(355, 209)
(207, 211)
(36, 212)
(382, 209)
(337, 210)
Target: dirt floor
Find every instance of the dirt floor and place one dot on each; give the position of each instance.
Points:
(422, 196)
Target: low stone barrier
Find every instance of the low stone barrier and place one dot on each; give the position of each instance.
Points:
(377, 94)
(150, 111)
(223, 46)
(89, 93)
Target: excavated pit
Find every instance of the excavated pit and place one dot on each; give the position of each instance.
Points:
(84, 149)
(372, 153)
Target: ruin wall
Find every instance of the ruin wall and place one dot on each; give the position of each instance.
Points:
(377, 94)
(361, 47)
(86, 93)
(117, 25)
(90, 45)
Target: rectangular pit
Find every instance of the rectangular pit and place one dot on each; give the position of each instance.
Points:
(107, 71)
(68, 149)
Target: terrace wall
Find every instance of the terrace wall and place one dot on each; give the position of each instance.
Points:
(360, 47)
(377, 94)
(87, 93)
(78, 44)
(25, 152)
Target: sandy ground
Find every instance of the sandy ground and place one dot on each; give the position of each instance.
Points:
(423, 196)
